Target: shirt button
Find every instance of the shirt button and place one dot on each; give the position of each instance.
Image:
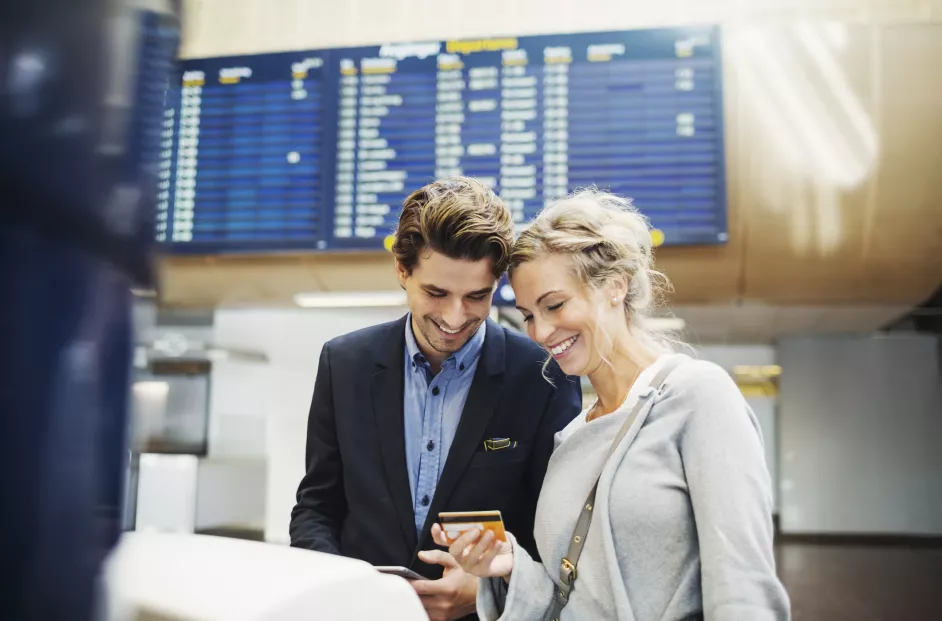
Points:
(435, 391)
(430, 446)
(461, 368)
(425, 501)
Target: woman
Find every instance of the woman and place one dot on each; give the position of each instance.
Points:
(681, 527)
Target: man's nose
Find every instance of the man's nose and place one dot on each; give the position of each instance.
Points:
(453, 314)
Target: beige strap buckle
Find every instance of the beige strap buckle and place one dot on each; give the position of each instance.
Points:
(567, 572)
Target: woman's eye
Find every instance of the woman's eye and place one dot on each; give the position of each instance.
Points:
(555, 307)
(527, 318)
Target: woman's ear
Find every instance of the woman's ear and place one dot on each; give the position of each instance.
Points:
(616, 290)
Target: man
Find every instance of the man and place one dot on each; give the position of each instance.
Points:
(442, 410)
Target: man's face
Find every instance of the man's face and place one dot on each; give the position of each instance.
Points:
(449, 299)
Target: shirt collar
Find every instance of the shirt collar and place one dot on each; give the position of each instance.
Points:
(464, 357)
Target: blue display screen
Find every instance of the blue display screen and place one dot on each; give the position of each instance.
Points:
(316, 150)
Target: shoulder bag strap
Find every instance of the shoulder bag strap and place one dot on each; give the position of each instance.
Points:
(567, 567)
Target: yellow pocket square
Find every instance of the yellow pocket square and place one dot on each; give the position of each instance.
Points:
(499, 444)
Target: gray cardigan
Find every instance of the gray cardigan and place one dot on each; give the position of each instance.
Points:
(683, 517)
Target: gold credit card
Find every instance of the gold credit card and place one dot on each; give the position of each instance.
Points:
(455, 523)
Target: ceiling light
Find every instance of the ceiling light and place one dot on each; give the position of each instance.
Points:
(350, 299)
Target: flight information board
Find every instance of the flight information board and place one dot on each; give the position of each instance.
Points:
(316, 150)
(245, 153)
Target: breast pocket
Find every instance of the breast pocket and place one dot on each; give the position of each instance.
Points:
(506, 458)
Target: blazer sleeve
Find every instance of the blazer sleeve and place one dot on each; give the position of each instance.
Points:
(731, 494)
(563, 405)
(321, 503)
(526, 598)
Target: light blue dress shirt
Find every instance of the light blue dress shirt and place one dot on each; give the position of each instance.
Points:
(432, 408)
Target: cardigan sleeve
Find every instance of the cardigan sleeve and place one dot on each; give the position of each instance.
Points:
(731, 493)
(526, 598)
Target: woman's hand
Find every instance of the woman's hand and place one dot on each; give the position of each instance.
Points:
(482, 556)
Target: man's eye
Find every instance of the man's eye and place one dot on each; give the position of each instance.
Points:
(435, 295)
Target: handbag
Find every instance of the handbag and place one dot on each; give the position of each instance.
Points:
(567, 567)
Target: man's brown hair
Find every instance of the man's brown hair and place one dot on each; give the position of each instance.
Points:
(458, 217)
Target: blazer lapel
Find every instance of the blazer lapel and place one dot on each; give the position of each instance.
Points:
(387, 396)
(478, 410)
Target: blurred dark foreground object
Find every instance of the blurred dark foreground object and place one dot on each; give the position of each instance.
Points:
(81, 85)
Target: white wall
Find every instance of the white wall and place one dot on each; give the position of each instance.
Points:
(231, 493)
(861, 430)
(275, 398)
(765, 408)
(729, 356)
(166, 493)
(237, 425)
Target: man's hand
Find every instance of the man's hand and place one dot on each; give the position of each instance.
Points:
(453, 596)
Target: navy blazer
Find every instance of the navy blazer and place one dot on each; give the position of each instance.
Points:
(355, 499)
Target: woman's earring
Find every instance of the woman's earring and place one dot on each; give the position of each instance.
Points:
(614, 301)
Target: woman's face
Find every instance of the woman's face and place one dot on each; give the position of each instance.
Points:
(573, 322)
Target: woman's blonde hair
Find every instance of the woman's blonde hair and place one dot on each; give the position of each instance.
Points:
(607, 240)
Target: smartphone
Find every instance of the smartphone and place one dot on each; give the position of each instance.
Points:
(455, 523)
(402, 572)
